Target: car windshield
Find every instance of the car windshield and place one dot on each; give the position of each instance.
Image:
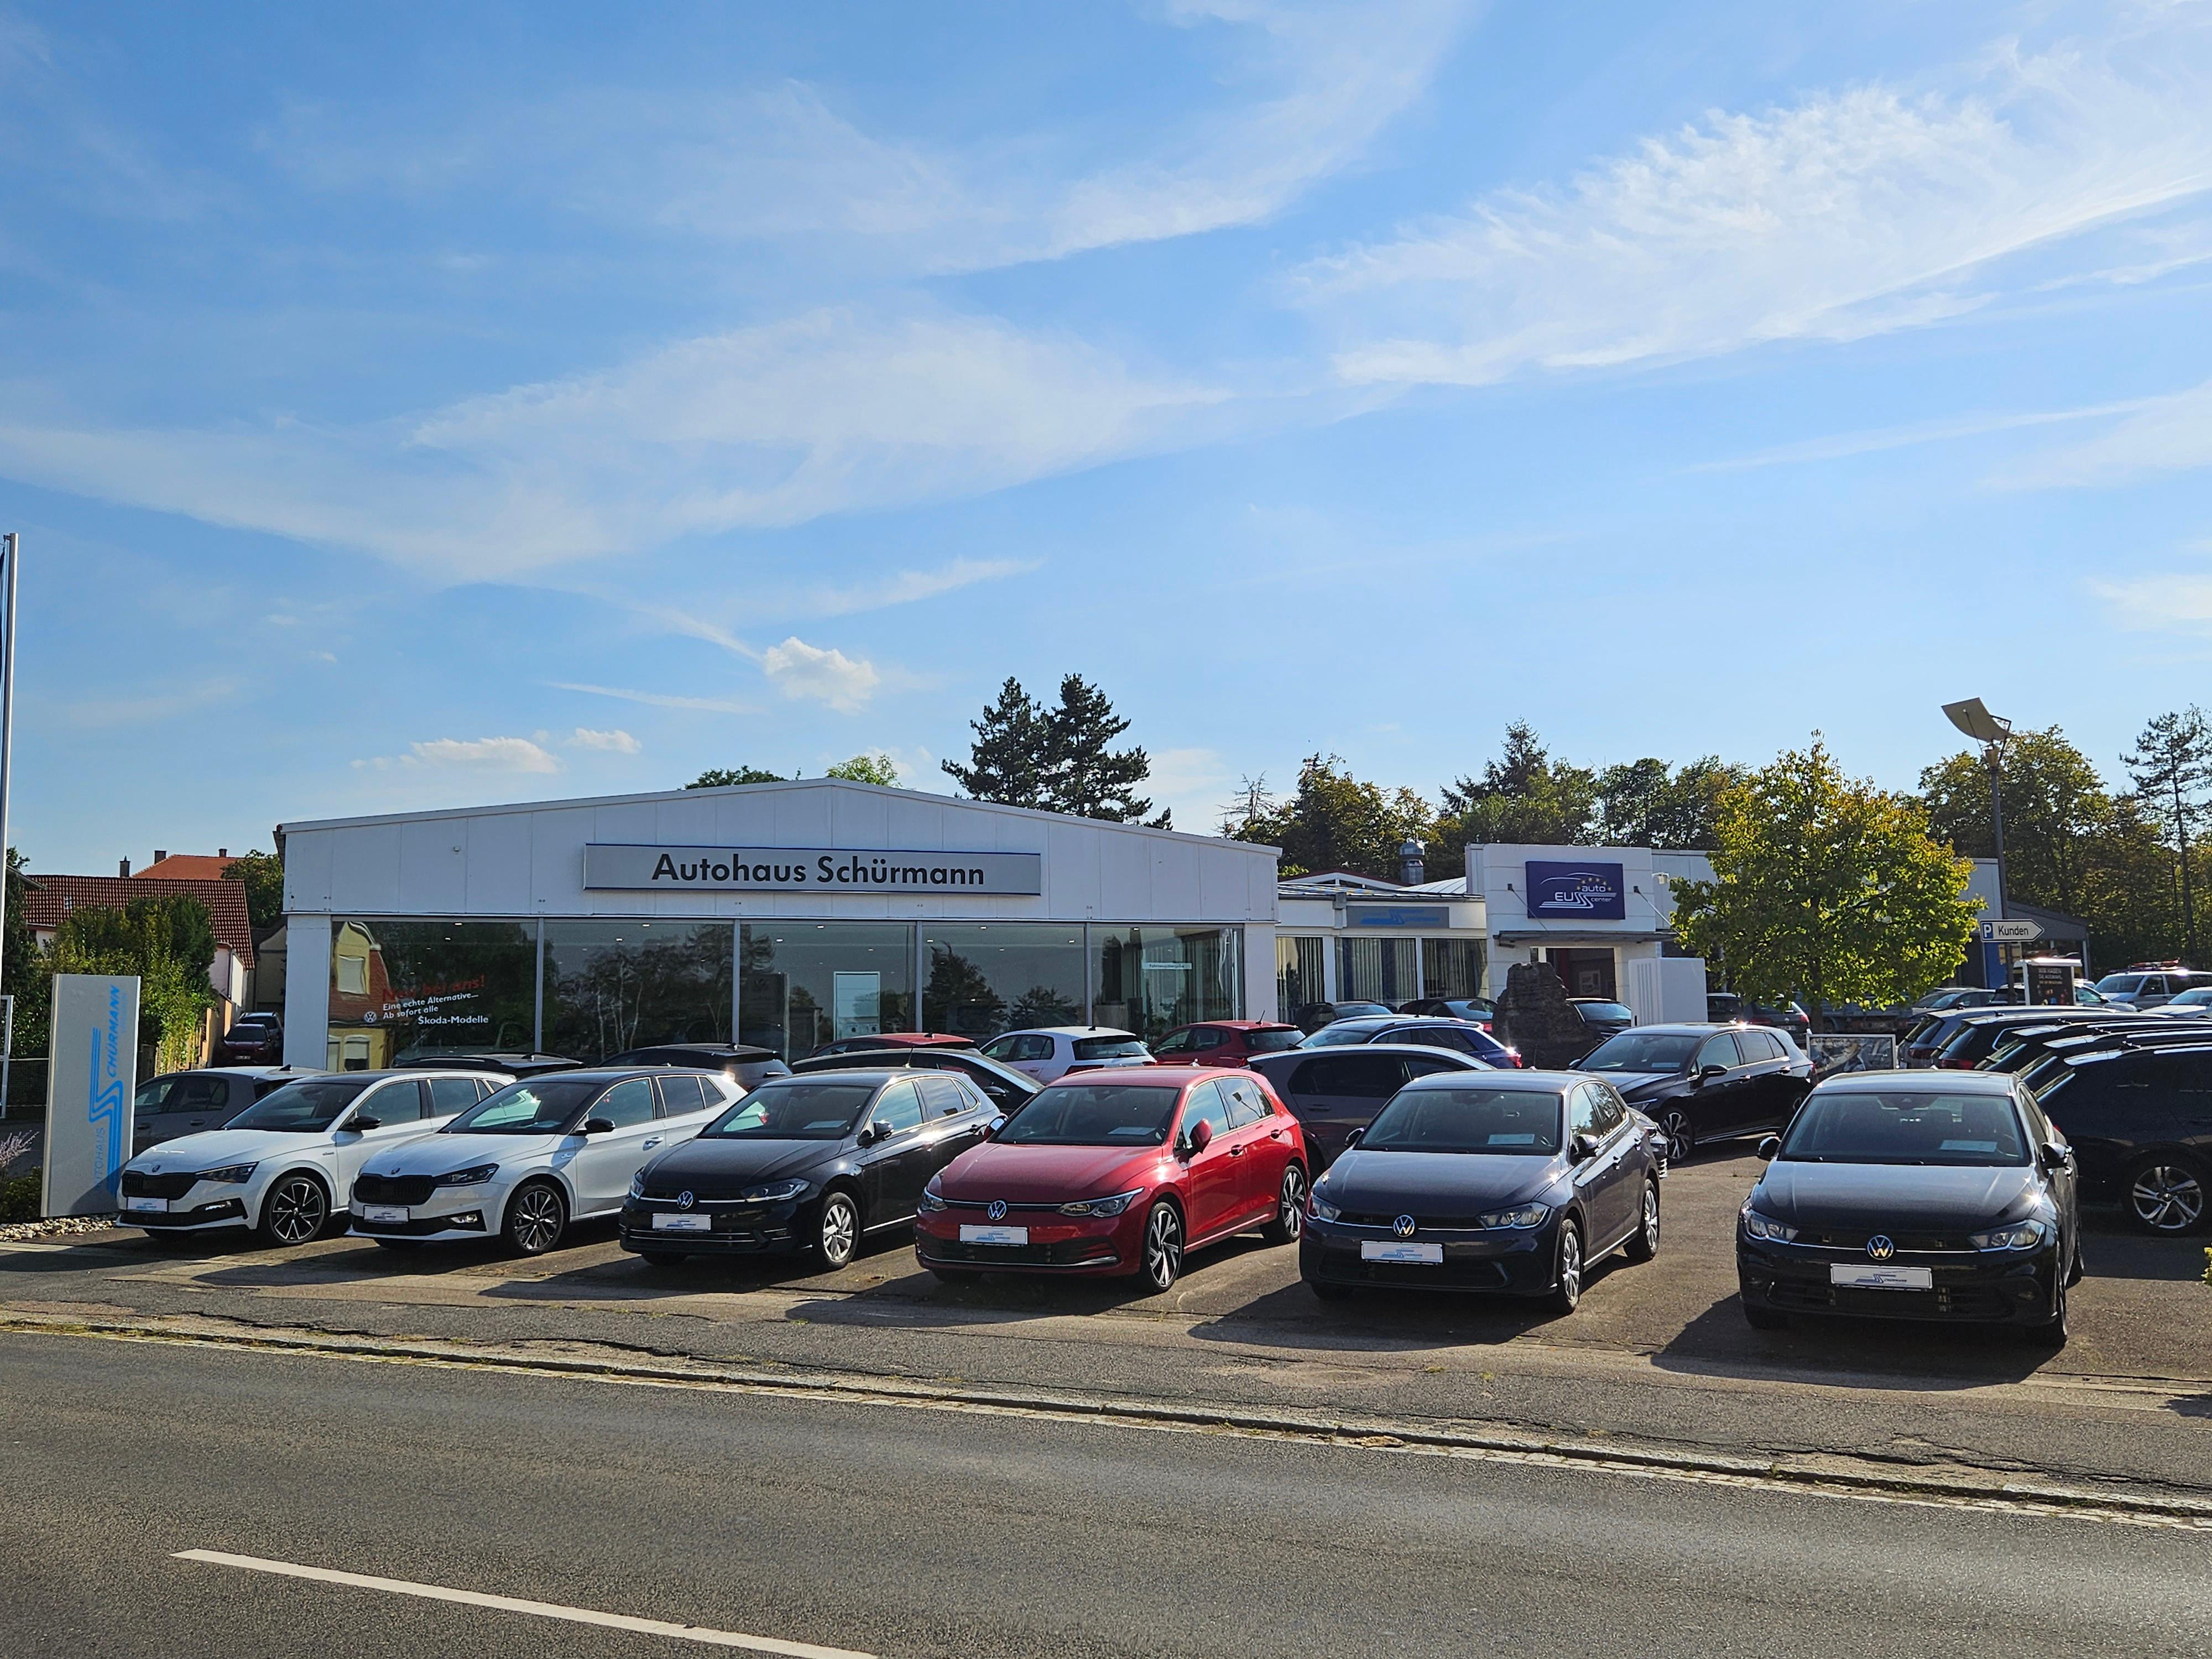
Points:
(1866, 1126)
(1340, 1035)
(1643, 1051)
(2122, 983)
(1095, 1114)
(1606, 1011)
(1514, 1122)
(307, 1106)
(1273, 1043)
(2197, 997)
(1184, 1042)
(799, 1111)
(1113, 1048)
(543, 1106)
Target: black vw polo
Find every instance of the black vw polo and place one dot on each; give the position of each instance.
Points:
(812, 1164)
(1914, 1196)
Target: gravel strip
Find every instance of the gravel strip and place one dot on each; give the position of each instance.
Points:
(15, 1231)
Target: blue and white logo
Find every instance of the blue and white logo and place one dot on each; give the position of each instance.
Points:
(1403, 1226)
(1882, 1247)
(1576, 892)
(685, 1200)
(998, 1210)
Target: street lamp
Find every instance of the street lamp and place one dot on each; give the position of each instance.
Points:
(1991, 732)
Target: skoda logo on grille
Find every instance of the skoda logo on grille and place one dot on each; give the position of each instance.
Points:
(1882, 1247)
(1403, 1226)
(685, 1200)
(998, 1210)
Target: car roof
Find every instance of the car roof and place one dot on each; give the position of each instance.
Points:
(1687, 1027)
(1535, 1083)
(1976, 1083)
(1068, 1031)
(720, 1050)
(1237, 1025)
(1452, 1058)
(1157, 1076)
(873, 1075)
(859, 1060)
(598, 1073)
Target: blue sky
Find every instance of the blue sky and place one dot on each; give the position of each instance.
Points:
(411, 406)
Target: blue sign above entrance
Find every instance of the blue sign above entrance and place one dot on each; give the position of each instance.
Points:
(1576, 892)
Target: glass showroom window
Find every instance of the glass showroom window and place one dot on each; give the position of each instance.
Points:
(406, 989)
(1377, 971)
(1152, 980)
(986, 977)
(614, 985)
(805, 984)
(1298, 967)
(1451, 967)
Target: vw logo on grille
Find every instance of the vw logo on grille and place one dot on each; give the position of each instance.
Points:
(685, 1200)
(1882, 1247)
(998, 1210)
(1403, 1226)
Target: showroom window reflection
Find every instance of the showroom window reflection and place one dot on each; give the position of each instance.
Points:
(616, 985)
(989, 977)
(1151, 979)
(405, 988)
(805, 984)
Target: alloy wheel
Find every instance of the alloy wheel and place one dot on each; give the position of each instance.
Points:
(1650, 1217)
(1291, 1217)
(1680, 1143)
(840, 1230)
(537, 1222)
(1163, 1246)
(297, 1210)
(2168, 1198)
(1567, 1294)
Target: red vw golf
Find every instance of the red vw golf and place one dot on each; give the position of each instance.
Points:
(1119, 1172)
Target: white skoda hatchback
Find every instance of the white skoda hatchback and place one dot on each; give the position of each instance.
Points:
(285, 1165)
(538, 1154)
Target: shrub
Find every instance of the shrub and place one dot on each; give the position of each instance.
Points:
(19, 1197)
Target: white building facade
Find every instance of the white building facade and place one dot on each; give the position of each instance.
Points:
(785, 914)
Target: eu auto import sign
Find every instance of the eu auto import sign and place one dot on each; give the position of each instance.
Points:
(652, 869)
(90, 1084)
(1575, 892)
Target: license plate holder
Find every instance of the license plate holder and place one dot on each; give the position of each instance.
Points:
(147, 1205)
(1401, 1250)
(388, 1214)
(972, 1234)
(674, 1221)
(1873, 1277)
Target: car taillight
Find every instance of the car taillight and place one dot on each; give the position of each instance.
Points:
(1952, 1064)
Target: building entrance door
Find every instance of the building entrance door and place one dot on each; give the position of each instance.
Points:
(1585, 973)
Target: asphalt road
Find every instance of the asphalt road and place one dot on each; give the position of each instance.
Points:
(899, 1532)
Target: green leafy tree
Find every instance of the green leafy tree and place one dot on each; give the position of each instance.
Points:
(168, 942)
(1524, 795)
(2056, 806)
(2171, 766)
(1057, 759)
(1337, 821)
(24, 973)
(1646, 803)
(262, 875)
(874, 766)
(1827, 889)
(721, 777)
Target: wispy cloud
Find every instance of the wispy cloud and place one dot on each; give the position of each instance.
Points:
(1845, 444)
(2171, 433)
(486, 754)
(821, 675)
(168, 703)
(901, 587)
(660, 699)
(1845, 215)
(616, 742)
(2164, 602)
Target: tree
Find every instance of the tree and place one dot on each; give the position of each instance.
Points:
(2171, 766)
(1524, 795)
(1006, 761)
(1057, 759)
(2055, 807)
(168, 942)
(873, 767)
(1827, 890)
(1338, 822)
(23, 971)
(721, 777)
(262, 877)
(1647, 804)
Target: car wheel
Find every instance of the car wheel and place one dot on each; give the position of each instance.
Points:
(662, 1258)
(1681, 1139)
(537, 1215)
(2074, 1271)
(1567, 1270)
(1643, 1243)
(1290, 1212)
(1763, 1319)
(296, 1210)
(837, 1233)
(2051, 1332)
(2166, 1195)
(1163, 1246)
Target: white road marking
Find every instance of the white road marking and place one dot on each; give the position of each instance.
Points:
(713, 1638)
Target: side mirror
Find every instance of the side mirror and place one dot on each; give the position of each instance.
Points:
(991, 1132)
(1354, 1139)
(1200, 1137)
(363, 1125)
(1705, 1072)
(2054, 1156)
(1581, 1149)
(1769, 1147)
(599, 1126)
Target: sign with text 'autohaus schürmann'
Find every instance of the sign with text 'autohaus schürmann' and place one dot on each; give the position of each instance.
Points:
(628, 868)
(1575, 892)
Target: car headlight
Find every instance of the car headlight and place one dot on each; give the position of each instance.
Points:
(2015, 1236)
(931, 1198)
(475, 1175)
(1766, 1227)
(775, 1192)
(1113, 1205)
(1320, 1206)
(230, 1175)
(637, 1185)
(1525, 1215)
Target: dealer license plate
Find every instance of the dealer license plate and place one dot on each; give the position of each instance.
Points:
(970, 1235)
(671, 1222)
(1883, 1279)
(157, 1205)
(385, 1213)
(1390, 1249)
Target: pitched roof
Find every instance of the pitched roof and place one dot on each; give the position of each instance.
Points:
(47, 899)
(186, 867)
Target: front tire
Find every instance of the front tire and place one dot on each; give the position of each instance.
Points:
(1644, 1243)
(1567, 1271)
(295, 1211)
(837, 1232)
(2051, 1332)
(537, 1215)
(1290, 1212)
(1163, 1246)
(1681, 1139)
(2166, 1195)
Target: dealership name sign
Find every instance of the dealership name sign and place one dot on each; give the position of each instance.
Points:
(1578, 892)
(636, 869)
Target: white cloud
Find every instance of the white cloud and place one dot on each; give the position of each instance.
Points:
(800, 670)
(2171, 433)
(616, 742)
(482, 754)
(660, 699)
(1847, 214)
(2171, 600)
(905, 587)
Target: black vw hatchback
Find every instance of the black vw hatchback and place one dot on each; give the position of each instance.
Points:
(1914, 1196)
(812, 1164)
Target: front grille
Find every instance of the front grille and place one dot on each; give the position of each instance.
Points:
(1061, 1252)
(222, 1209)
(1944, 1302)
(979, 1204)
(392, 1189)
(1907, 1243)
(1463, 1224)
(137, 1184)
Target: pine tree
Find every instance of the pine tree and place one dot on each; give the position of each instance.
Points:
(2171, 766)
(1006, 761)
(1083, 775)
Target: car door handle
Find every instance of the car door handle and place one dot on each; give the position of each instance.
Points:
(1275, 1134)
(1235, 1151)
(651, 1144)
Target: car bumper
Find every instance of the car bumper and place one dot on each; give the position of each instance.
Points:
(185, 1215)
(2001, 1288)
(1056, 1243)
(438, 1221)
(730, 1229)
(1504, 1261)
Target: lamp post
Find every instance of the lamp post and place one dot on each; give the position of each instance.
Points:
(1990, 731)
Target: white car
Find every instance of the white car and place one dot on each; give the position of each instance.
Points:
(285, 1165)
(2195, 1003)
(539, 1154)
(1047, 1052)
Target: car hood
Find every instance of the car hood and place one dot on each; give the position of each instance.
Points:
(1632, 1083)
(1033, 1174)
(1436, 1183)
(1893, 1194)
(709, 1167)
(440, 1154)
(217, 1147)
